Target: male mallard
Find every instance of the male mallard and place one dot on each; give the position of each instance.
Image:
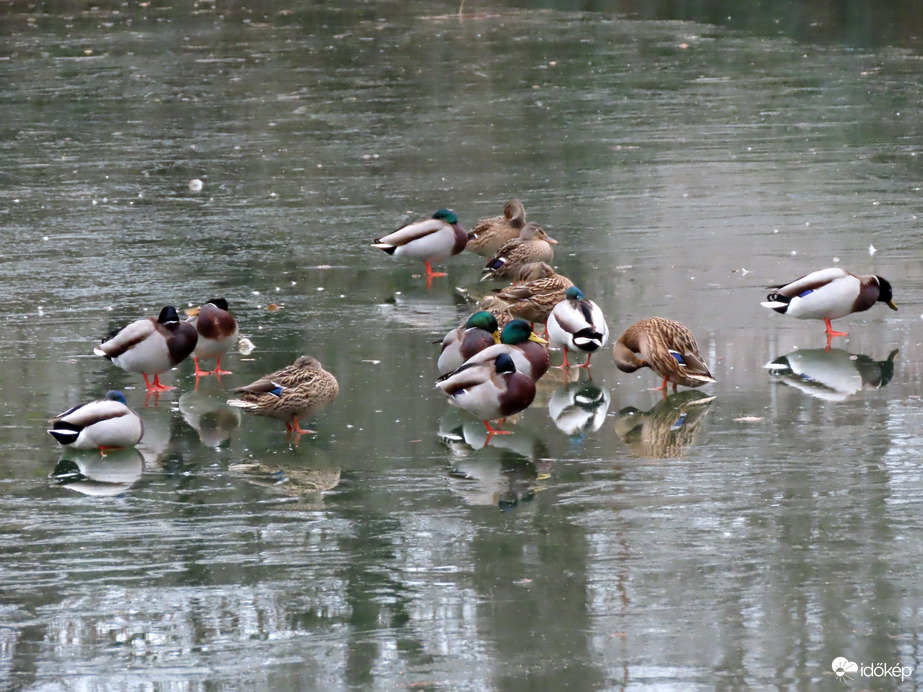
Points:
(102, 424)
(303, 389)
(430, 240)
(150, 346)
(532, 245)
(577, 324)
(666, 347)
(828, 294)
(518, 341)
(478, 332)
(533, 299)
(490, 390)
(217, 331)
(489, 235)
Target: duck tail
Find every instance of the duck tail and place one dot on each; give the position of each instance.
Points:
(387, 247)
(64, 435)
(588, 340)
(777, 302)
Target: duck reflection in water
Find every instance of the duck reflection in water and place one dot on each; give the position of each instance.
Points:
(579, 408)
(89, 473)
(832, 375)
(206, 411)
(497, 478)
(290, 480)
(464, 436)
(667, 429)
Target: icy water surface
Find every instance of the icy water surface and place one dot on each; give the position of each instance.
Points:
(746, 540)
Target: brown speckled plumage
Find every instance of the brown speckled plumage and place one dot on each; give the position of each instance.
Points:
(649, 343)
(489, 235)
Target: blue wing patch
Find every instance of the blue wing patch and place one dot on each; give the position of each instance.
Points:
(678, 356)
(679, 423)
(806, 293)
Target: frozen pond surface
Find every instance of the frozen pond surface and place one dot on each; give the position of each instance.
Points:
(683, 166)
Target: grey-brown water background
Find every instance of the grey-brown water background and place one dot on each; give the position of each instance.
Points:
(684, 155)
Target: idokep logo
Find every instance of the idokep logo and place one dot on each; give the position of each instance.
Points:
(842, 667)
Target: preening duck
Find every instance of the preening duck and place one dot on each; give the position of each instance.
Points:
(429, 240)
(102, 424)
(150, 346)
(489, 235)
(577, 324)
(665, 346)
(828, 294)
(217, 330)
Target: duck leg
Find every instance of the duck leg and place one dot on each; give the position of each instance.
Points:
(430, 273)
(297, 429)
(218, 372)
(830, 332)
(491, 431)
(156, 386)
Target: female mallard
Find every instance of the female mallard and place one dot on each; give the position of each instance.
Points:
(828, 294)
(518, 341)
(490, 390)
(666, 347)
(477, 333)
(430, 240)
(217, 330)
(151, 346)
(577, 324)
(489, 235)
(102, 424)
(533, 299)
(532, 245)
(303, 389)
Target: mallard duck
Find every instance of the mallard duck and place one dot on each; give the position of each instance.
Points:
(828, 294)
(217, 330)
(430, 240)
(577, 324)
(478, 332)
(533, 299)
(489, 235)
(150, 346)
(527, 350)
(665, 346)
(490, 390)
(102, 424)
(532, 245)
(301, 390)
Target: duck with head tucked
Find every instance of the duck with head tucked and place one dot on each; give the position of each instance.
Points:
(301, 390)
(527, 349)
(539, 289)
(478, 332)
(429, 240)
(828, 294)
(103, 424)
(577, 324)
(665, 346)
(489, 235)
(532, 245)
(490, 391)
(217, 330)
(150, 346)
